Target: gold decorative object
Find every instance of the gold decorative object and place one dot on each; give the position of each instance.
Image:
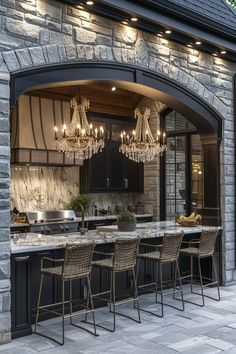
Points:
(80, 140)
(141, 146)
(191, 220)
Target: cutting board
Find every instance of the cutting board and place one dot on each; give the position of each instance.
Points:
(109, 228)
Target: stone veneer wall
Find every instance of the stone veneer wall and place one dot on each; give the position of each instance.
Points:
(35, 33)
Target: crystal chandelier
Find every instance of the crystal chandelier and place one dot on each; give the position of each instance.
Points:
(80, 140)
(141, 146)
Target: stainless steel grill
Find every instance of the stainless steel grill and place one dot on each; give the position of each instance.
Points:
(52, 221)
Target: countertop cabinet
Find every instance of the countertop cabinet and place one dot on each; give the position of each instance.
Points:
(109, 170)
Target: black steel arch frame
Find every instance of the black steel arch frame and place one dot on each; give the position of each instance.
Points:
(205, 118)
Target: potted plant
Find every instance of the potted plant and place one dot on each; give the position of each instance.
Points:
(126, 221)
(75, 202)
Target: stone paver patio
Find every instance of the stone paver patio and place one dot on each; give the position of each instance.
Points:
(207, 330)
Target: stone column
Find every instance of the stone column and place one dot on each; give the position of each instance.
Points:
(5, 318)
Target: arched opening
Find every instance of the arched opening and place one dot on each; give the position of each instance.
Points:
(206, 121)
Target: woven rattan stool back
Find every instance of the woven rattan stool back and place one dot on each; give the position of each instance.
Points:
(207, 242)
(77, 260)
(125, 254)
(170, 247)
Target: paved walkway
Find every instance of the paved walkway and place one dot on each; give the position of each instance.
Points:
(207, 330)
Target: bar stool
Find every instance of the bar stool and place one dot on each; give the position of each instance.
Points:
(122, 260)
(203, 248)
(167, 252)
(76, 264)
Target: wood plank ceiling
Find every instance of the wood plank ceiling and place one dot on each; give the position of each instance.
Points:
(102, 99)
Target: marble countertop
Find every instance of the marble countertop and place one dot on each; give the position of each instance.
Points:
(32, 242)
(87, 218)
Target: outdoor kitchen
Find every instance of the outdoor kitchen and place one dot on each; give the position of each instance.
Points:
(117, 175)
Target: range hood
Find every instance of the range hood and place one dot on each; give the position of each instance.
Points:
(32, 133)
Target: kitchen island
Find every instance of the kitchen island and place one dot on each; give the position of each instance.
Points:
(28, 249)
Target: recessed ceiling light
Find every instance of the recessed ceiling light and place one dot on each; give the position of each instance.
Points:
(160, 34)
(189, 45)
(80, 7)
(168, 31)
(198, 42)
(223, 52)
(215, 54)
(89, 3)
(113, 88)
(134, 19)
(125, 22)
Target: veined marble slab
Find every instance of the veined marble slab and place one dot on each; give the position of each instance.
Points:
(30, 242)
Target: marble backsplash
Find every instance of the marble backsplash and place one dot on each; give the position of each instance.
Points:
(36, 187)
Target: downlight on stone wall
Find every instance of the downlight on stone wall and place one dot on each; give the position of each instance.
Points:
(38, 33)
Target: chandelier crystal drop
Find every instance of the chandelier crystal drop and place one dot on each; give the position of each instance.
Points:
(141, 146)
(81, 140)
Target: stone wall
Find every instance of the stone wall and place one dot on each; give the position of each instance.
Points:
(35, 33)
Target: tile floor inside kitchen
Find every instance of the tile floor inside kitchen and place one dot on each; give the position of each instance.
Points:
(211, 329)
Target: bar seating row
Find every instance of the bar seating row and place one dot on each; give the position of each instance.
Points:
(77, 264)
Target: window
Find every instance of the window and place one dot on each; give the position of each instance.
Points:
(182, 167)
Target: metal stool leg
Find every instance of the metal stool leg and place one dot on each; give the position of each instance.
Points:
(136, 295)
(91, 304)
(191, 273)
(216, 277)
(180, 284)
(114, 299)
(63, 311)
(71, 309)
(201, 283)
(38, 304)
(161, 284)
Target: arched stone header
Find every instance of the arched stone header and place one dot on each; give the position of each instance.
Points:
(149, 83)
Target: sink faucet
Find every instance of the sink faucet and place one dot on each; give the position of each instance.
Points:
(82, 228)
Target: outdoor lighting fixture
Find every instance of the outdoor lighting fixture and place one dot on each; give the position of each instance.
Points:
(223, 52)
(168, 31)
(80, 140)
(198, 43)
(113, 88)
(134, 19)
(189, 45)
(125, 22)
(140, 145)
(215, 54)
(90, 3)
(160, 34)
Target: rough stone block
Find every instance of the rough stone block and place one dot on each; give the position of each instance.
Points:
(9, 3)
(5, 94)
(5, 337)
(52, 25)
(4, 269)
(35, 20)
(125, 34)
(84, 36)
(24, 58)
(22, 29)
(53, 54)
(4, 235)
(37, 56)
(4, 107)
(12, 62)
(96, 28)
(60, 38)
(71, 52)
(49, 9)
